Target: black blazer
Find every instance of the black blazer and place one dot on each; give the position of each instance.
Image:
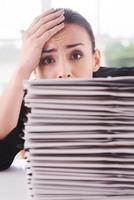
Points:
(114, 71)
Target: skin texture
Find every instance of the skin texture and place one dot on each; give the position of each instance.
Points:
(68, 54)
(39, 32)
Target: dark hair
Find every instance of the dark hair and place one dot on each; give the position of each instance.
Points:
(73, 17)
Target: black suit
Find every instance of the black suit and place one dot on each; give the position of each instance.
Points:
(112, 71)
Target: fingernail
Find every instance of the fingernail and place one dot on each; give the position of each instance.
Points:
(59, 9)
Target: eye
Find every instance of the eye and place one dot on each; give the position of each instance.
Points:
(47, 60)
(76, 55)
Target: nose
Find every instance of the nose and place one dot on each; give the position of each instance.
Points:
(64, 71)
(64, 76)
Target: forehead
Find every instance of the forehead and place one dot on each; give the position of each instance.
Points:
(71, 33)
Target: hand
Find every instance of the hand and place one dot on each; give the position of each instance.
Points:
(35, 37)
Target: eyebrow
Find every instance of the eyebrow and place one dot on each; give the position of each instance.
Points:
(66, 47)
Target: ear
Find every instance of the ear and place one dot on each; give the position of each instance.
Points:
(97, 59)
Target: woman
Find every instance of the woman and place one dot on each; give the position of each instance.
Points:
(58, 44)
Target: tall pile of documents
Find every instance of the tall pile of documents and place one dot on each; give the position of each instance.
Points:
(79, 139)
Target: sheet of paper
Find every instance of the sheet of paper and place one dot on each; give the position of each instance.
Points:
(79, 139)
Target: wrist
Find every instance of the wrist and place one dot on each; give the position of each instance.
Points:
(22, 73)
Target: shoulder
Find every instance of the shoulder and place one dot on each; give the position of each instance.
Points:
(114, 71)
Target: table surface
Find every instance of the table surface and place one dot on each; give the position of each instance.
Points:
(13, 182)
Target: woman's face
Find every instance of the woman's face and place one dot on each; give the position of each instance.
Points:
(68, 54)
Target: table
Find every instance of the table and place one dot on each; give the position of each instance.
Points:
(13, 182)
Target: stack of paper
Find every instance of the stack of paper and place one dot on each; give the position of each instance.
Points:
(80, 139)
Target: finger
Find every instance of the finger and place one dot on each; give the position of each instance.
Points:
(50, 33)
(50, 12)
(48, 26)
(46, 19)
(45, 13)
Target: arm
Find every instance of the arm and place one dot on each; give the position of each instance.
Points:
(10, 102)
(13, 142)
(33, 41)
